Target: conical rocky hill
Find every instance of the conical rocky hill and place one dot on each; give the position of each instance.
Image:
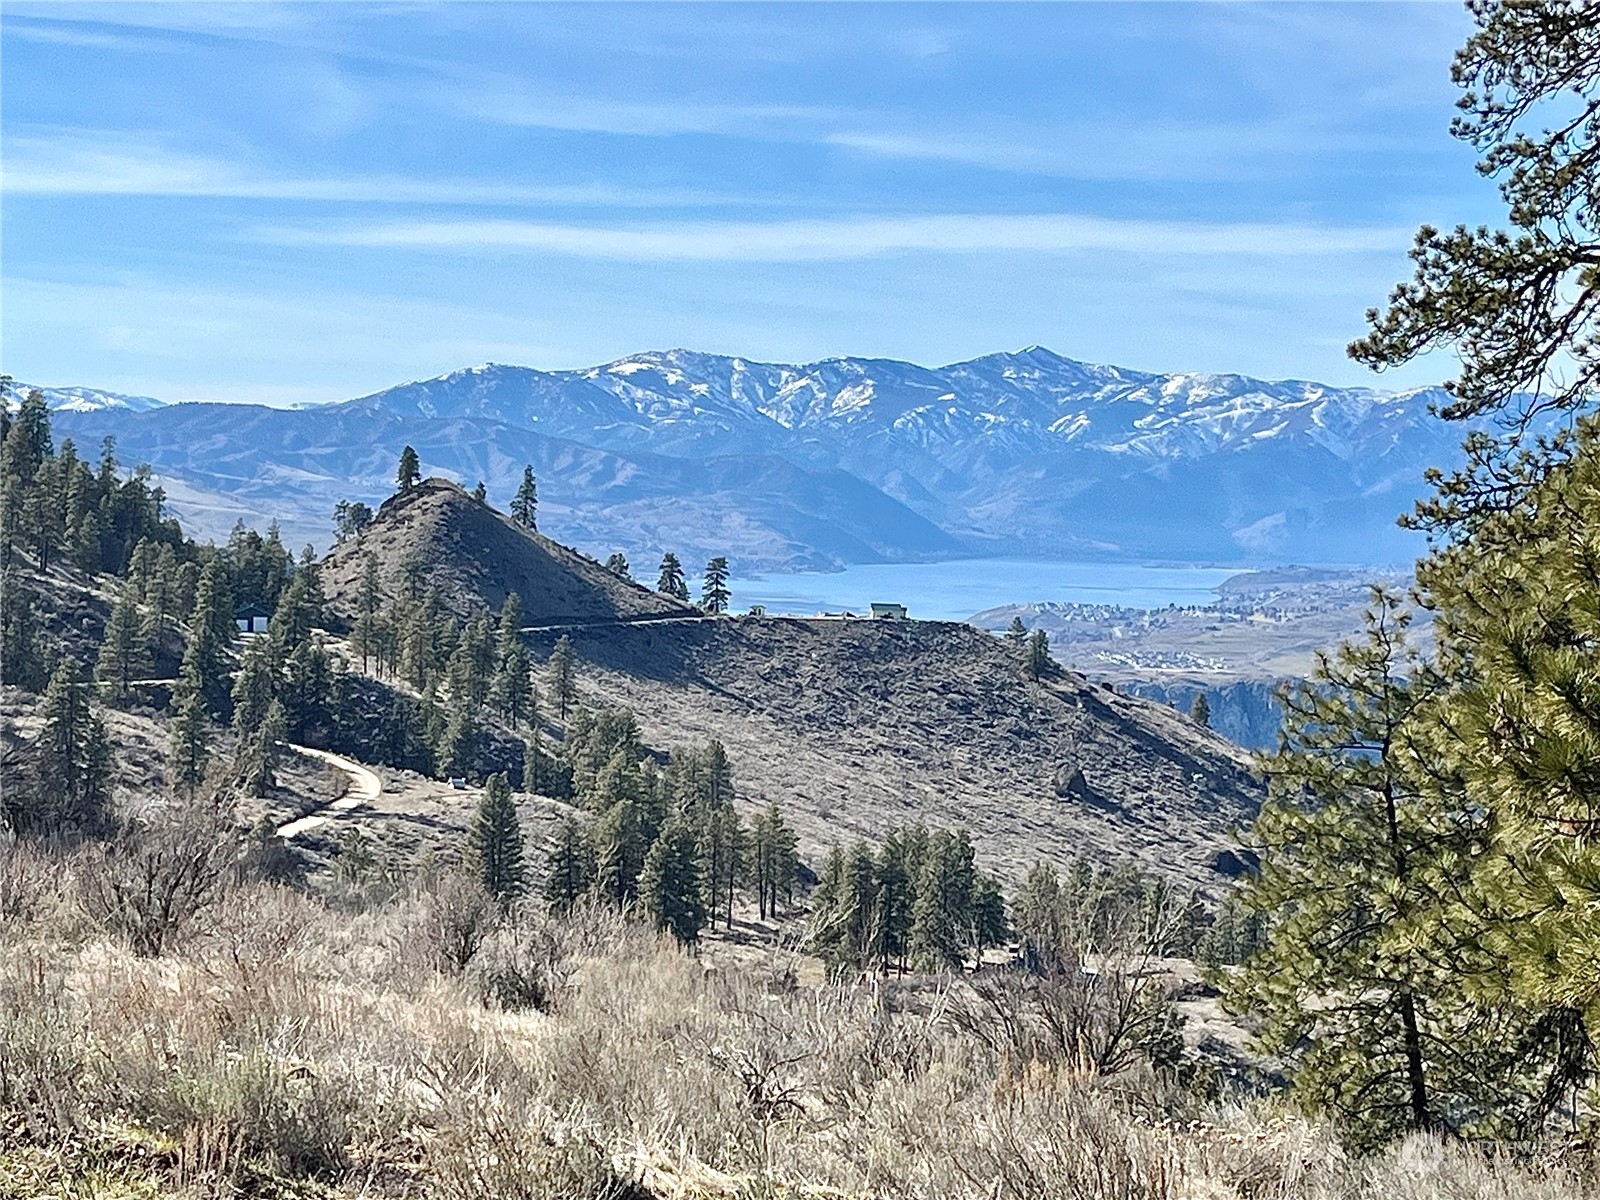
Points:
(474, 556)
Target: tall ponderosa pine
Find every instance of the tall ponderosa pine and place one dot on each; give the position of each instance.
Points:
(190, 740)
(123, 651)
(941, 914)
(570, 870)
(671, 581)
(497, 844)
(1364, 980)
(367, 635)
(69, 788)
(670, 886)
(714, 596)
(409, 470)
(211, 636)
(1200, 710)
(525, 504)
(22, 658)
(1515, 531)
(563, 671)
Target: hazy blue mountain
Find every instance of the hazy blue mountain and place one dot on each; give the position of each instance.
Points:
(225, 463)
(850, 459)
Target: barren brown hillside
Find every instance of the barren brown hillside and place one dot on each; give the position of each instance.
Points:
(853, 726)
(473, 556)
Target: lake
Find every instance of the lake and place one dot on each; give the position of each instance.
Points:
(953, 591)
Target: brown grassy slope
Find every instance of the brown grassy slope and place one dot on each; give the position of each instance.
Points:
(473, 556)
(854, 726)
(285, 1048)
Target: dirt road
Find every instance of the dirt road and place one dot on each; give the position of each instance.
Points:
(365, 787)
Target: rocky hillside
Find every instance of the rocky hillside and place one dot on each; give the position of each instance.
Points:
(856, 725)
(474, 556)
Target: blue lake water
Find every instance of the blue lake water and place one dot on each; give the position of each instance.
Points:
(953, 591)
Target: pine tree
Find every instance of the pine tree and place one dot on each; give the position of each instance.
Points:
(619, 850)
(525, 505)
(941, 914)
(1016, 632)
(513, 687)
(123, 657)
(571, 870)
(497, 843)
(70, 767)
(160, 601)
(670, 887)
(714, 595)
(211, 636)
(563, 674)
(410, 470)
(1359, 850)
(262, 751)
(22, 660)
(534, 762)
(1200, 710)
(1037, 663)
(774, 862)
(671, 581)
(456, 751)
(191, 740)
(480, 494)
(369, 601)
(896, 895)
(617, 564)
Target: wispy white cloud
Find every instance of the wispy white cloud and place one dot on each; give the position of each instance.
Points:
(850, 237)
(101, 163)
(1121, 149)
(506, 102)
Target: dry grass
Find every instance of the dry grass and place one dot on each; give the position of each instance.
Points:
(288, 1047)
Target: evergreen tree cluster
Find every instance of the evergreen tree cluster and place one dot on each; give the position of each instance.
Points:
(461, 671)
(667, 839)
(918, 901)
(1097, 909)
(55, 507)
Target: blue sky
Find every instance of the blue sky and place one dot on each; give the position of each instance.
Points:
(285, 203)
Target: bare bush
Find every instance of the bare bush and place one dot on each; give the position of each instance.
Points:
(151, 882)
(520, 964)
(518, 1162)
(456, 917)
(30, 886)
(1099, 1021)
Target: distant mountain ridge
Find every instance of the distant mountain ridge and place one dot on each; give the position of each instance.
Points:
(83, 399)
(856, 459)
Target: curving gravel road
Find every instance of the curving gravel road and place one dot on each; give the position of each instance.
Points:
(365, 787)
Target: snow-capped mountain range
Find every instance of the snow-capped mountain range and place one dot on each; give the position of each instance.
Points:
(82, 399)
(847, 459)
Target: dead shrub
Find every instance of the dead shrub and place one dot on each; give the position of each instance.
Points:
(519, 965)
(519, 1162)
(1101, 1022)
(449, 924)
(151, 882)
(30, 886)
